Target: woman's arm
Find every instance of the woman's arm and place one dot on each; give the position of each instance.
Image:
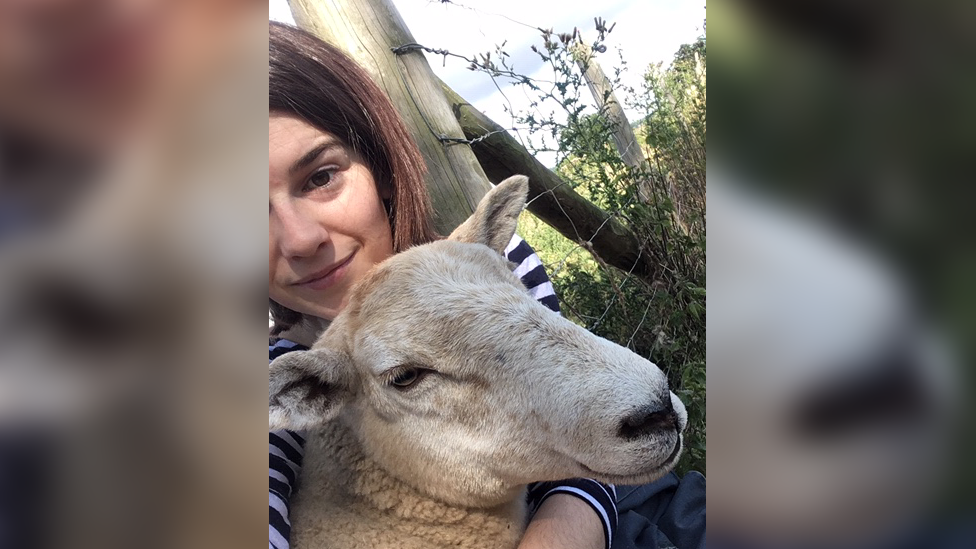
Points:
(564, 522)
(284, 462)
(596, 502)
(285, 452)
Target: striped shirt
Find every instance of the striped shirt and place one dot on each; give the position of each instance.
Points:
(286, 448)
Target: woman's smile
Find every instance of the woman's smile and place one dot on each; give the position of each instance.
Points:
(327, 277)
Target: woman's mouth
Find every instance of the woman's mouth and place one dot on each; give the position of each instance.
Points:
(327, 277)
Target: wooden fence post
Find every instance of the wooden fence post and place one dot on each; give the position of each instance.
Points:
(606, 101)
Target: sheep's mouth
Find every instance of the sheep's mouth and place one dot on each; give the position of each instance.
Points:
(652, 473)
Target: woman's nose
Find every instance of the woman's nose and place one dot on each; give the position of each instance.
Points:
(300, 235)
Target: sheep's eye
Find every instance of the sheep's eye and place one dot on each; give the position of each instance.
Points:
(405, 377)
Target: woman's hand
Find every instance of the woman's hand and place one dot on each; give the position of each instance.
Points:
(564, 522)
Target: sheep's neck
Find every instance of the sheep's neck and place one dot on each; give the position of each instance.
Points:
(335, 458)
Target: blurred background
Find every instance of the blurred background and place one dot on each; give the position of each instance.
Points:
(840, 268)
(132, 382)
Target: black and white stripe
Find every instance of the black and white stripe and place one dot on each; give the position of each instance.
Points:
(286, 448)
(529, 268)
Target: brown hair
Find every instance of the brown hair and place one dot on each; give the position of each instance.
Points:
(315, 81)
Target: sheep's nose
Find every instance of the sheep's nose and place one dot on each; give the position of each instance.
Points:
(649, 420)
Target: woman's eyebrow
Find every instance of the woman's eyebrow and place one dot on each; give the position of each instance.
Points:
(311, 155)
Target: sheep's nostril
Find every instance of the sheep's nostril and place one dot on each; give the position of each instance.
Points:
(649, 420)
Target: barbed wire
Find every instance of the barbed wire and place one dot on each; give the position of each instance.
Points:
(480, 11)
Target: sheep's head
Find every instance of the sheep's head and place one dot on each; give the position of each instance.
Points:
(459, 383)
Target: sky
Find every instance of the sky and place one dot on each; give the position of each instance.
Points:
(646, 31)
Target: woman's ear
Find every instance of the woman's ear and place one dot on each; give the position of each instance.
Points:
(386, 195)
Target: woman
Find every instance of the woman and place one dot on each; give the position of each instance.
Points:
(346, 191)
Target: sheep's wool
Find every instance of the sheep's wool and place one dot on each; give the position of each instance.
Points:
(369, 508)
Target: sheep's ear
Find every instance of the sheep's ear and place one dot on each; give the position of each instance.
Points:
(493, 222)
(307, 388)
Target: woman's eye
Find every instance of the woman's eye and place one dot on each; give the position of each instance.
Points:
(406, 377)
(321, 178)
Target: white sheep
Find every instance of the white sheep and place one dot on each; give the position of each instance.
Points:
(444, 388)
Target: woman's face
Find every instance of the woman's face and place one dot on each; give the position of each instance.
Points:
(327, 223)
